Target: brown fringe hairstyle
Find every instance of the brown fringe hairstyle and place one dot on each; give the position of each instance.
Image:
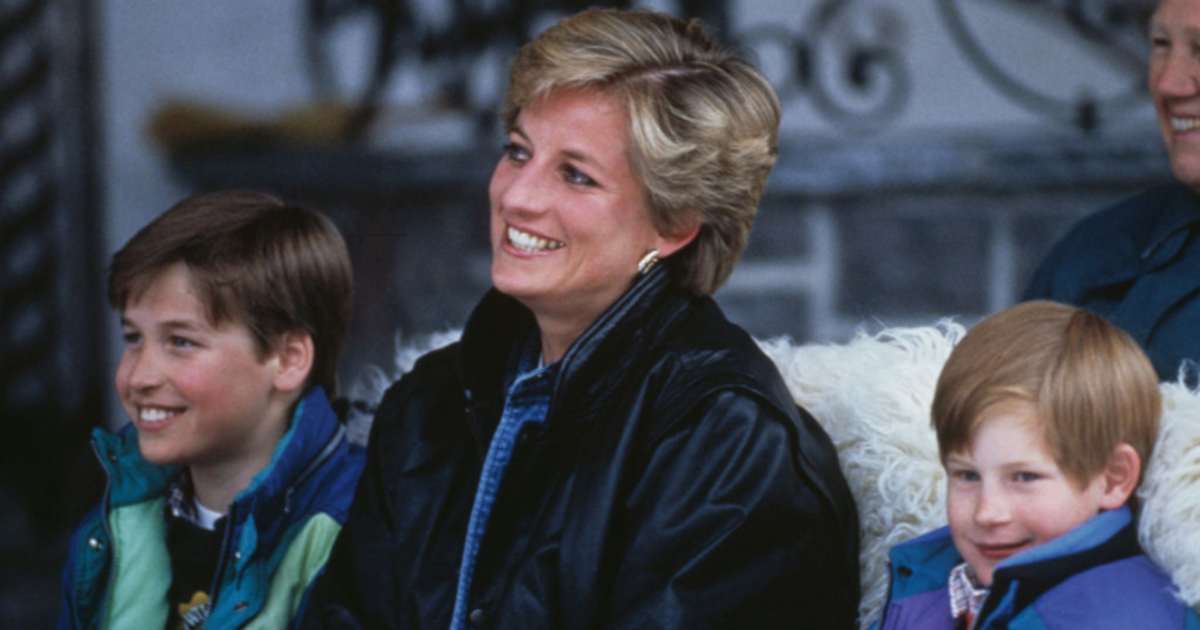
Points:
(1090, 383)
(254, 259)
(703, 123)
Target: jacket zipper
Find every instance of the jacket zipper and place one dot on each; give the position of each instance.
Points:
(321, 458)
(222, 558)
(230, 518)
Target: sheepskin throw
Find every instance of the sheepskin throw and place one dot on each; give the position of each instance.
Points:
(873, 395)
(1169, 528)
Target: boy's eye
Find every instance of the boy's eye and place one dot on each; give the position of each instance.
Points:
(575, 176)
(964, 475)
(130, 337)
(1025, 477)
(180, 342)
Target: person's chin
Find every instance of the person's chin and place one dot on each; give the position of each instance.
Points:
(1186, 169)
(983, 570)
(157, 453)
(518, 286)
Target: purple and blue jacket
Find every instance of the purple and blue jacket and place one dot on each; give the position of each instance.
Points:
(1094, 576)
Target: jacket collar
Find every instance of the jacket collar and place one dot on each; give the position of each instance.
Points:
(1180, 211)
(591, 365)
(1104, 538)
(1141, 235)
(926, 562)
(314, 434)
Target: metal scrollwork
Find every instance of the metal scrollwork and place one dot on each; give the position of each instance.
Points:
(846, 59)
(452, 39)
(854, 77)
(1116, 28)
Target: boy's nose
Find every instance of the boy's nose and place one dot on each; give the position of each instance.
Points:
(141, 370)
(992, 508)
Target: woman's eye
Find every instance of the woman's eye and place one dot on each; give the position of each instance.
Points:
(575, 176)
(516, 152)
(1159, 41)
(131, 338)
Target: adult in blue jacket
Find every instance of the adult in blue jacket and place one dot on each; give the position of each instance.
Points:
(1138, 263)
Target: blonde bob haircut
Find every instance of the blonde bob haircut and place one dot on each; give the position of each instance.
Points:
(1090, 383)
(703, 123)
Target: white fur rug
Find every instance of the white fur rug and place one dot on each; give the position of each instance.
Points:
(873, 394)
(1170, 521)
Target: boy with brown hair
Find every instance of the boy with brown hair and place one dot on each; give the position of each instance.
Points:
(1045, 415)
(227, 489)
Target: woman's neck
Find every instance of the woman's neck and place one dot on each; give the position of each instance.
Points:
(557, 336)
(560, 327)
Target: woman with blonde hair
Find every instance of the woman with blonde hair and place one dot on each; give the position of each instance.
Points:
(603, 448)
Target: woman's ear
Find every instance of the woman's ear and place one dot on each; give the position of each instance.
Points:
(294, 354)
(668, 244)
(1121, 476)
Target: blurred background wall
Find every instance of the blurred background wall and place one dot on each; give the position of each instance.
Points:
(932, 150)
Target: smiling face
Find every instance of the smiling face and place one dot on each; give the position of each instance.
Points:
(1006, 494)
(200, 394)
(569, 220)
(1175, 84)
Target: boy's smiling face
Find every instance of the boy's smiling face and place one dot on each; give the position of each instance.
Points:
(1006, 493)
(200, 394)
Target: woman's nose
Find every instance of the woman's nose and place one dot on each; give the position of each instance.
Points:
(526, 190)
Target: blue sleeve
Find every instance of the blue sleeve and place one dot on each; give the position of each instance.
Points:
(68, 612)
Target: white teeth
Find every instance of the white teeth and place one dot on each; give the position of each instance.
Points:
(149, 414)
(1184, 124)
(525, 241)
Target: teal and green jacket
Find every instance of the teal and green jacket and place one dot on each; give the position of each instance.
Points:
(280, 531)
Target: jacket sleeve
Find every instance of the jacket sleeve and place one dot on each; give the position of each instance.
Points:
(724, 529)
(67, 613)
(73, 613)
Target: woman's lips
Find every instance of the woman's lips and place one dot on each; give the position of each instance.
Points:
(529, 242)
